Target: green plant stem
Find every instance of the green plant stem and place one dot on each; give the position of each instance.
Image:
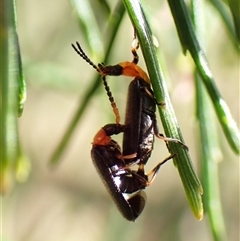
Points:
(189, 42)
(210, 157)
(222, 11)
(209, 142)
(235, 10)
(113, 27)
(9, 89)
(183, 162)
(89, 25)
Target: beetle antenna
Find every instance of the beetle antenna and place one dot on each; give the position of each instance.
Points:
(81, 53)
(111, 99)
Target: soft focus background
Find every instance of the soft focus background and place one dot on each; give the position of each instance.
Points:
(69, 202)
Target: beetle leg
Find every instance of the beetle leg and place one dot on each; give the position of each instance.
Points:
(167, 139)
(135, 46)
(129, 165)
(155, 170)
(130, 156)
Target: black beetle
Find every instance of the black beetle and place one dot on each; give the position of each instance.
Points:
(124, 184)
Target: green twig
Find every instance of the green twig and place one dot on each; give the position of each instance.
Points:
(189, 42)
(88, 23)
(235, 10)
(209, 142)
(190, 181)
(221, 9)
(10, 74)
(210, 157)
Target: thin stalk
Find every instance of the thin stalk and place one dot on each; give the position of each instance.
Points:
(183, 162)
(209, 143)
(221, 8)
(189, 42)
(210, 157)
(9, 89)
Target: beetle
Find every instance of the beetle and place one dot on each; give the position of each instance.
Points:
(124, 184)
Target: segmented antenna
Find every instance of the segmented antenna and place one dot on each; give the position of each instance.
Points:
(111, 99)
(81, 53)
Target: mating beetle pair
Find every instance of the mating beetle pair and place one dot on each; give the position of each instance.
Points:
(114, 166)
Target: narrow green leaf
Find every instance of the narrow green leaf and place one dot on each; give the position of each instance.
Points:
(9, 87)
(210, 158)
(183, 162)
(189, 42)
(235, 9)
(226, 18)
(89, 26)
(210, 151)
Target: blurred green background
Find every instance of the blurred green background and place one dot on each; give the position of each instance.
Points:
(69, 202)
